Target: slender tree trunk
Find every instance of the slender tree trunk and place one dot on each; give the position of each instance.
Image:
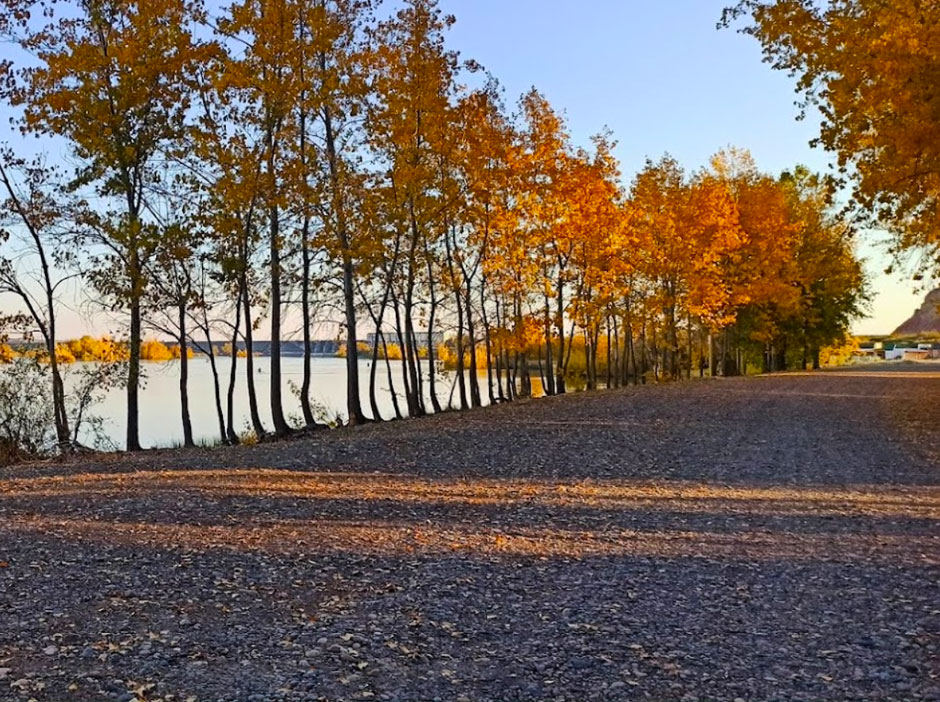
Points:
(216, 384)
(411, 351)
(133, 366)
(230, 430)
(353, 402)
(188, 441)
(644, 357)
(432, 370)
(560, 325)
(414, 401)
(501, 356)
(281, 427)
(475, 399)
(432, 313)
(391, 382)
(610, 358)
(306, 262)
(63, 435)
(547, 324)
(461, 380)
(420, 378)
(373, 370)
(250, 360)
(589, 354)
(306, 320)
(400, 333)
(711, 354)
(488, 341)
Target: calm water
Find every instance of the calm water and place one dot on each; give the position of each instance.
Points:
(160, 423)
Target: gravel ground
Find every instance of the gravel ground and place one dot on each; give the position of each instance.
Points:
(743, 540)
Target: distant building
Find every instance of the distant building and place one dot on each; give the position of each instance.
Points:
(422, 337)
(292, 348)
(911, 351)
(915, 355)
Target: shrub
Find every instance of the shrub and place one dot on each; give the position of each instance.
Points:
(104, 350)
(26, 410)
(27, 424)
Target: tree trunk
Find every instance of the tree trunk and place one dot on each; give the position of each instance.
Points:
(133, 366)
(432, 370)
(461, 380)
(560, 325)
(549, 361)
(400, 334)
(306, 321)
(277, 408)
(210, 351)
(353, 402)
(475, 399)
(230, 397)
(488, 341)
(391, 382)
(250, 360)
(188, 441)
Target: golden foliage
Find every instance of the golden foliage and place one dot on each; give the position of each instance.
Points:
(872, 68)
(89, 349)
(153, 350)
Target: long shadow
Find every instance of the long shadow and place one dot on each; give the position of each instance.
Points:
(227, 624)
(767, 431)
(715, 516)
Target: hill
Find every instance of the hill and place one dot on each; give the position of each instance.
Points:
(925, 320)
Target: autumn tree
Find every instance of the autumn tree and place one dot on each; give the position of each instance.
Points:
(173, 283)
(831, 284)
(407, 126)
(688, 229)
(483, 137)
(759, 274)
(871, 68)
(112, 77)
(36, 220)
(336, 91)
(262, 73)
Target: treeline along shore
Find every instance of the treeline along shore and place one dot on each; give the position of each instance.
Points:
(265, 169)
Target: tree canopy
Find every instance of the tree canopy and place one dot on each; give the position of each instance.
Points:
(872, 69)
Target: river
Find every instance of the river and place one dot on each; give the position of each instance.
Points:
(160, 424)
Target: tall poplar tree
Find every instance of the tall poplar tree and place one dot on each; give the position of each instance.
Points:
(113, 77)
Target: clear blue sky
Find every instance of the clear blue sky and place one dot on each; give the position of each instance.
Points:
(663, 78)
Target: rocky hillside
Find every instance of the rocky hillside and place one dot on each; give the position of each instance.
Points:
(925, 320)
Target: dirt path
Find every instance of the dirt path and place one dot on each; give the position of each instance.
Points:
(761, 539)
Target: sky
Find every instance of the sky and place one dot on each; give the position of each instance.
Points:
(664, 79)
(660, 76)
